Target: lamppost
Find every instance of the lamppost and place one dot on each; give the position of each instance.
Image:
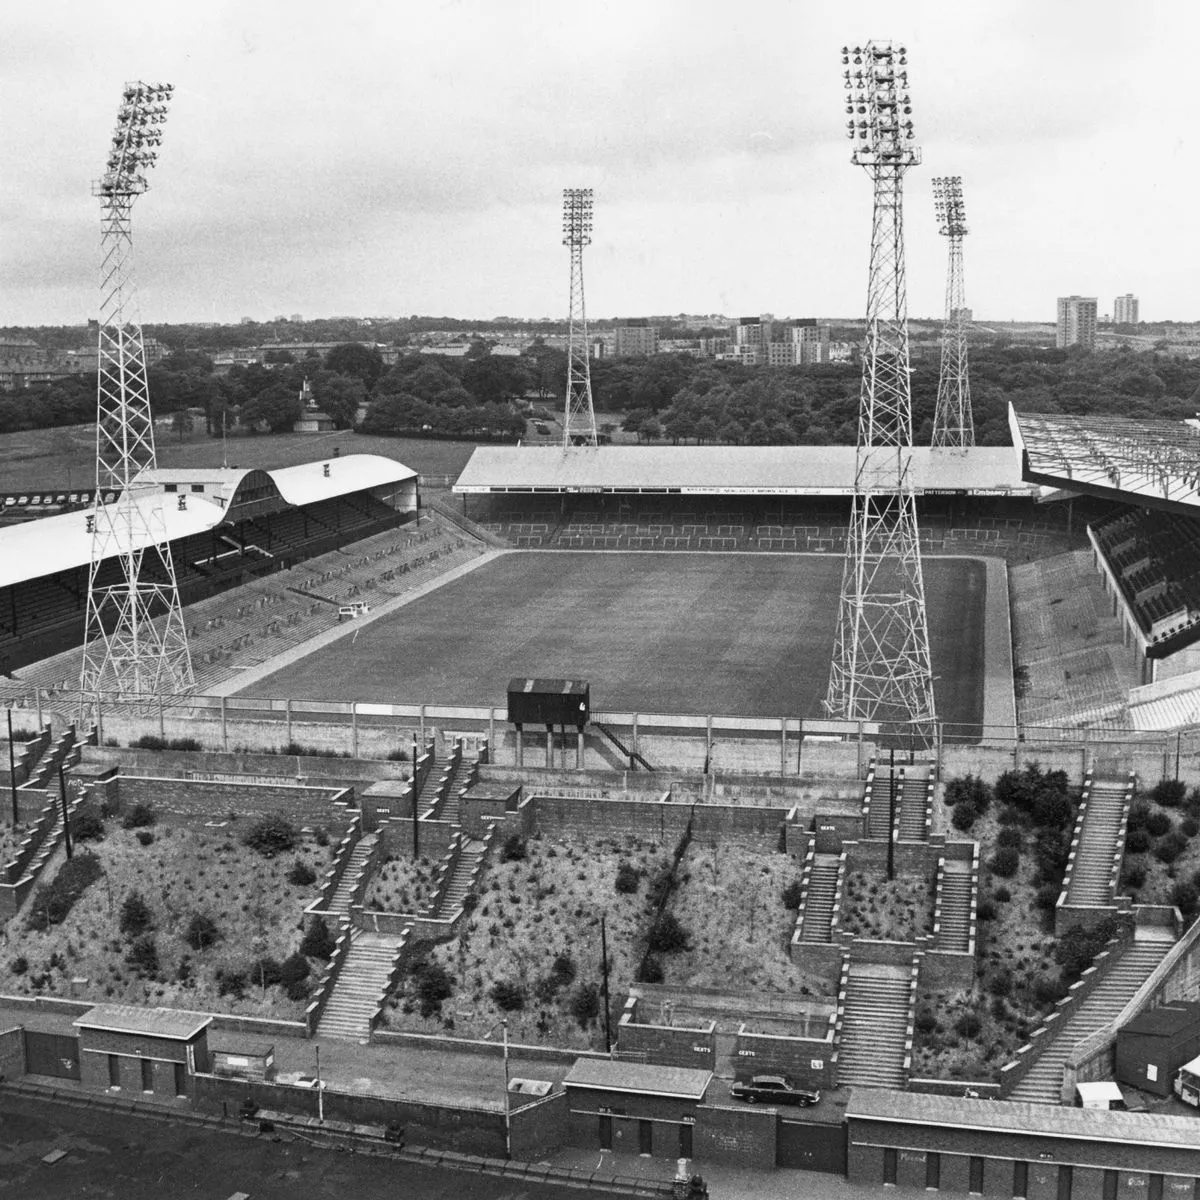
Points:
(320, 1089)
(503, 1023)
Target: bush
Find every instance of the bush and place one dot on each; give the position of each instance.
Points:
(265, 972)
(144, 837)
(184, 744)
(585, 1004)
(986, 911)
(1052, 848)
(143, 955)
(969, 788)
(964, 815)
(1048, 990)
(1001, 894)
(667, 935)
(968, 1025)
(1047, 896)
(432, 985)
(507, 995)
(293, 975)
(628, 877)
(1185, 897)
(1158, 824)
(86, 826)
(1139, 814)
(20, 965)
(397, 756)
(793, 894)
(1168, 792)
(271, 835)
(1170, 847)
(318, 941)
(1000, 984)
(301, 874)
(52, 902)
(201, 932)
(1053, 809)
(1133, 874)
(136, 917)
(1190, 826)
(1010, 835)
(651, 970)
(149, 741)
(514, 849)
(1005, 862)
(1137, 841)
(231, 981)
(925, 1022)
(1079, 946)
(139, 816)
(563, 969)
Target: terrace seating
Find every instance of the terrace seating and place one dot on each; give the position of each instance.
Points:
(954, 924)
(875, 1021)
(1091, 875)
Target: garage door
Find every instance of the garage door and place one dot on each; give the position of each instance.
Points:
(811, 1147)
(53, 1054)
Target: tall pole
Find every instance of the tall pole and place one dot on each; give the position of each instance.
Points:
(320, 1087)
(62, 796)
(507, 1107)
(881, 669)
(12, 773)
(579, 417)
(604, 977)
(953, 424)
(135, 641)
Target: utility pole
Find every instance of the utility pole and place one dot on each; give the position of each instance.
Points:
(604, 977)
(62, 796)
(579, 416)
(12, 773)
(881, 668)
(953, 425)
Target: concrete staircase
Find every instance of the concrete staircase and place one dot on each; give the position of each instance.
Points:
(1091, 872)
(914, 799)
(340, 901)
(879, 817)
(954, 925)
(458, 780)
(1043, 1083)
(365, 973)
(875, 1020)
(459, 883)
(818, 900)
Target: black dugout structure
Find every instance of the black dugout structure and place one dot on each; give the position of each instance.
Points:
(554, 703)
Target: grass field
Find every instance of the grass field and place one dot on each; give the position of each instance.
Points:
(749, 634)
(66, 457)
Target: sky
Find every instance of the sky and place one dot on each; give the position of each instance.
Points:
(387, 159)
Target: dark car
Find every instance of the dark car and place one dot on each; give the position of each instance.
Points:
(772, 1089)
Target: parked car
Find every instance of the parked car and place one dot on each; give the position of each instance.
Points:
(772, 1089)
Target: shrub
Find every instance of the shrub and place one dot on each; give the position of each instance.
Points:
(271, 835)
(1190, 826)
(563, 969)
(1133, 874)
(139, 816)
(628, 877)
(968, 1025)
(969, 788)
(144, 837)
(667, 935)
(231, 981)
(514, 849)
(1005, 862)
(265, 972)
(1053, 810)
(986, 911)
(925, 1022)
(1139, 814)
(1185, 897)
(293, 975)
(1170, 847)
(1158, 824)
(1168, 792)
(432, 984)
(1000, 984)
(1079, 946)
(470, 902)
(318, 941)
(964, 815)
(397, 756)
(507, 995)
(143, 955)
(301, 874)
(1048, 989)
(1052, 848)
(86, 826)
(52, 902)
(651, 970)
(1009, 816)
(136, 917)
(20, 965)
(1001, 894)
(184, 744)
(793, 894)
(585, 1004)
(1137, 841)
(1010, 835)
(1047, 895)
(149, 741)
(201, 932)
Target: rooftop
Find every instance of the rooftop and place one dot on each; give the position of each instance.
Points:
(646, 1079)
(150, 1022)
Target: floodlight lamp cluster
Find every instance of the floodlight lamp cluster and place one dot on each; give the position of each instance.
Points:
(577, 216)
(948, 205)
(878, 96)
(138, 132)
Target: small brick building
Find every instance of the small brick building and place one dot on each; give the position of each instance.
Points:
(152, 1050)
(634, 1108)
(1154, 1045)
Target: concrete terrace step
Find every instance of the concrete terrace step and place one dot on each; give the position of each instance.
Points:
(913, 798)
(954, 929)
(874, 1025)
(364, 974)
(1091, 873)
(340, 901)
(1043, 1083)
(818, 900)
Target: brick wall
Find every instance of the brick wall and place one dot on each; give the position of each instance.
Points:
(12, 1053)
(540, 1128)
(808, 1062)
(742, 1136)
(196, 799)
(671, 1045)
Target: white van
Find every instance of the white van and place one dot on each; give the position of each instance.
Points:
(357, 609)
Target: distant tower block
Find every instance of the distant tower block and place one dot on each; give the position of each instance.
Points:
(953, 424)
(135, 642)
(579, 418)
(881, 669)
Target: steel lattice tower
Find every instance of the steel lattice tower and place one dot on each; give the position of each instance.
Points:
(881, 669)
(953, 424)
(135, 640)
(579, 417)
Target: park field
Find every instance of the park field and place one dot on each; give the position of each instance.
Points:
(746, 634)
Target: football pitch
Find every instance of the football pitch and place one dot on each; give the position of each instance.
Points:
(739, 634)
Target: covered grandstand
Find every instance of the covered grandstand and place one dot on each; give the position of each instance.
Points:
(224, 526)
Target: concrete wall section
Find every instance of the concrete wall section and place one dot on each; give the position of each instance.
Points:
(196, 799)
(741, 1136)
(12, 1053)
(540, 1128)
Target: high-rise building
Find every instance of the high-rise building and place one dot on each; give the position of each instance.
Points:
(811, 340)
(635, 339)
(1125, 309)
(1076, 322)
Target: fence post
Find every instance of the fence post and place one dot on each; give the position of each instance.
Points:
(287, 711)
(354, 728)
(224, 728)
(162, 732)
(783, 745)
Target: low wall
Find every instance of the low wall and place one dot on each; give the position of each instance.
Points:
(439, 1126)
(809, 1061)
(12, 1053)
(539, 1128)
(198, 798)
(671, 1045)
(742, 1136)
(489, 1049)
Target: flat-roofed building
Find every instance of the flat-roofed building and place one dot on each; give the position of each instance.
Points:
(635, 339)
(1076, 322)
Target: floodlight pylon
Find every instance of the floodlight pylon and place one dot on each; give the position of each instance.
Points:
(579, 415)
(953, 424)
(135, 641)
(881, 666)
